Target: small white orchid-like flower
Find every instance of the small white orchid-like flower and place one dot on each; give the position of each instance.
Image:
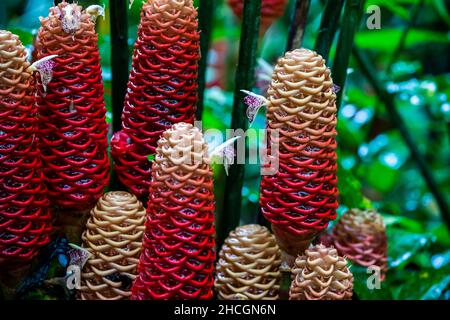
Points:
(96, 11)
(70, 18)
(254, 102)
(225, 151)
(45, 68)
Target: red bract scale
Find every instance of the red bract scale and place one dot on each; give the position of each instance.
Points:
(24, 214)
(301, 198)
(162, 89)
(270, 10)
(73, 130)
(177, 259)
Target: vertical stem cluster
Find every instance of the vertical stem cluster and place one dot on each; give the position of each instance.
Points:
(328, 27)
(245, 76)
(371, 74)
(352, 16)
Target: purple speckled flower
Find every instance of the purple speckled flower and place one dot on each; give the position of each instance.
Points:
(336, 88)
(45, 69)
(254, 103)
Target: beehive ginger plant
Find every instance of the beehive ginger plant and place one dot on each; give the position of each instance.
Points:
(249, 265)
(73, 129)
(178, 253)
(301, 197)
(25, 221)
(360, 236)
(162, 88)
(113, 237)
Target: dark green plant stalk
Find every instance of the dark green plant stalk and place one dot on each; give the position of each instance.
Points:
(3, 17)
(119, 65)
(245, 77)
(388, 99)
(119, 57)
(398, 50)
(297, 28)
(205, 23)
(328, 27)
(352, 16)
(404, 35)
(285, 284)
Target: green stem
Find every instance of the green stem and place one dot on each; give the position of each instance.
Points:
(205, 23)
(245, 78)
(394, 56)
(119, 65)
(388, 99)
(297, 28)
(119, 57)
(328, 27)
(285, 284)
(352, 16)
(404, 35)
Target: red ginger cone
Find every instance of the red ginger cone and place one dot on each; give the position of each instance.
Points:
(73, 130)
(24, 208)
(360, 236)
(178, 247)
(270, 11)
(301, 198)
(162, 89)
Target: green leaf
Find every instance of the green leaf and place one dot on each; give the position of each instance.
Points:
(427, 284)
(350, 190)
(403, 222)
(386, 39)
(439, 6)
(151, 157)
(391, 6)
(442, 234)
(404, 246)
(381, 177)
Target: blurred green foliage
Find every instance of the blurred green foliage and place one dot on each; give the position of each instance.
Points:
(375, 167)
